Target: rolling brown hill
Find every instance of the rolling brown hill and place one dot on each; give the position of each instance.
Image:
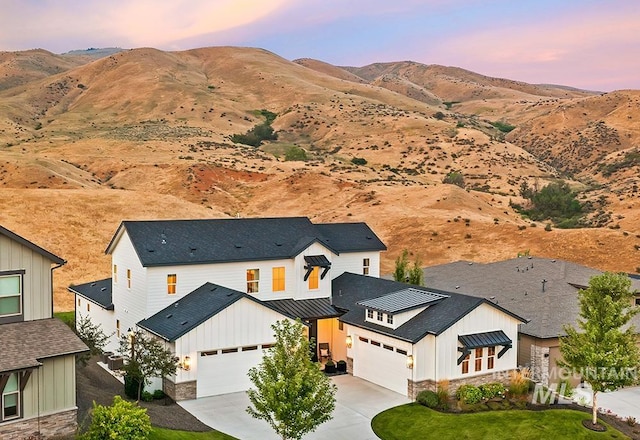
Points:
(146, 134)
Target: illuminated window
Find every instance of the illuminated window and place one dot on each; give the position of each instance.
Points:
(128, 278)
(478, 360)
(365, 266)
(465, 364)
(11, 295)
(172, 280)
(11, 399)
(115, 273)
(313, 278)
(278, 279)
(117, 328)
(491, 353)
(253, 278)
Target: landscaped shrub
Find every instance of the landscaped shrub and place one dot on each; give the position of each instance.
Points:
(519, 382)
(131, 386)
(428, 398)
(158, 394)
(442, 390)
(491, 390)
(122, 420)
(146, 396)
(469, 394)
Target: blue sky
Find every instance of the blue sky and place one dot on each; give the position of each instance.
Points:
(592, 44)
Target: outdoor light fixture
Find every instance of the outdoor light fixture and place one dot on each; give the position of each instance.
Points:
(410, 361)
(186, 363)
(349, 341)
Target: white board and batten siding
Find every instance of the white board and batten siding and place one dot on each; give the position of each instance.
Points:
(380, 359)
(53, 385)
(130, 302)
(353, 262)
(36, 283)
(244, 324)
(483, 318)
(301, 289)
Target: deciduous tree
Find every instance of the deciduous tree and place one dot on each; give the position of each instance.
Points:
(290, 392)
(604, 349)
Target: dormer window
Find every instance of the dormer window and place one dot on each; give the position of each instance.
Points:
(379, 316)
(369, 313)
(389, 319)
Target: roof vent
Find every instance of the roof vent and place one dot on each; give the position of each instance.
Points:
(492, 298)
(176, 305)
(470, 263)
(230, 294)
(93, 284)
(150, 250)
(278, 243)
(184, 322)
(169, 315)
(457, 287)
(102, 289)
(369, 237)
(238, 246)
(213, 288)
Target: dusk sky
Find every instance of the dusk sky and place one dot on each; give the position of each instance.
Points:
(590, 44)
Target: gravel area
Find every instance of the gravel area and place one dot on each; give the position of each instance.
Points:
(94, 384)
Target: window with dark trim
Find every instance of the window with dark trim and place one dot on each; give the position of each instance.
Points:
(267, 346)
(478, 360)
(229, 350)
(365, 266)
(387, 347)
(376, 343)
(465, 364)
(389, 319)
(404, 352)
(379, 316)
(491, 354)
(365, 340)
(11, 295)
(250, 348)
(209, 353)
(253, 280)
(369, 313)
(10, 397)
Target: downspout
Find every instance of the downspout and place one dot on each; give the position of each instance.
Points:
(51, 283)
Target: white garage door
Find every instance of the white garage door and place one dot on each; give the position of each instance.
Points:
(381, 364)
(226, 371)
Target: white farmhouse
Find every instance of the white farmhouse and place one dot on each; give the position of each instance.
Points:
(211, 289)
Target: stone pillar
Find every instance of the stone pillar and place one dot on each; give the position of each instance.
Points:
(540, 364)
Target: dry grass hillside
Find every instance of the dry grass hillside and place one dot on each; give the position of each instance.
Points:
(145, 134)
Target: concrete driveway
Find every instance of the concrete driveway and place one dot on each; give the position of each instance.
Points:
(624, 402)
(357, 402)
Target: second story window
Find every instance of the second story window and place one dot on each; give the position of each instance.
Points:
(314, 278)
(369, 313)
(253, 278)
(365, 266)
(172, 280)
(278, 279)
(389, 319)
(115, 273)
(10, 295)
(128, 278)
(379, 316)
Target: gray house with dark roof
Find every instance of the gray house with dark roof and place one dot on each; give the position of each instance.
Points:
(37, 351)
(211, 290)
(542, 289)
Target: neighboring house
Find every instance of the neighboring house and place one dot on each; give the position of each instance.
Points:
(542, 289)
(37, 351)
(211, 289)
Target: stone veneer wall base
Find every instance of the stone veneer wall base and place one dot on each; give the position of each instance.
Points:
(58, 425)
(413, 388)
(180, 391)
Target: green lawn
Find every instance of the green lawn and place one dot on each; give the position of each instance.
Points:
(67, 317)
(170, 434)
(415, 421)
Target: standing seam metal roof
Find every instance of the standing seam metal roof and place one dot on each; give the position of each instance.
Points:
(402, 300)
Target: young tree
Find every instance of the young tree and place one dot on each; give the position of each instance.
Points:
(402, 263)
(603, 352)
(145, 357)
(122, 420)
(416, 276)
(291, 393)
(93, 336)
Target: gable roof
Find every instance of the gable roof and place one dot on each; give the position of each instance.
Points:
(190, 311)
(25, 344)
(34, 247)
(98, 292)
(350, 290)
(543, 289)
(179, 242)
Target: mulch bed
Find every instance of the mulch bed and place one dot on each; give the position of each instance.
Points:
(94, 384)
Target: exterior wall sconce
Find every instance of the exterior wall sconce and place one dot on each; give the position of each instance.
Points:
(349, 341)
(186, 363)
(410, 361)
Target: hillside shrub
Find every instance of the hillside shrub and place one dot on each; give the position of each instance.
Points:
(359, 161)
(503, 126)
(556, 202)
(294, 153)
(428, 398)
(454, 178)
(259, 133)
(469, 394)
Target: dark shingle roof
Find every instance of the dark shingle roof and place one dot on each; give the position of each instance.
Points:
(175, 242)
(98, 292)
(317, 308)
(187, 313)
(25, 344)
(34, 247)
(349, 289)
(517, 284)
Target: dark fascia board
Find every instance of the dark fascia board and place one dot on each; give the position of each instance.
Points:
(406, 309)
(115, 238)
(381, 330)
(34, 247)
(302, 247)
